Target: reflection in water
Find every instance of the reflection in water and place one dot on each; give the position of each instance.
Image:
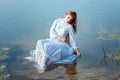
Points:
(112, 56)
(104, 55)
(70, 71)
(105, 35)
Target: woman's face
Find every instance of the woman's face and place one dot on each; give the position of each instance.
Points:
(68, 18)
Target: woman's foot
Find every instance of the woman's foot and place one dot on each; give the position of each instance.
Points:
(40, 71)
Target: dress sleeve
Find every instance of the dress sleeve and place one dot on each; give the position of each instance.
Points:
(73, 42)
(53, 33)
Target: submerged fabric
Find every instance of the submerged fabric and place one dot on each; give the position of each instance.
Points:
(52, 50)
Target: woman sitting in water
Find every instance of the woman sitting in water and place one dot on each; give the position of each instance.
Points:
(61, 46)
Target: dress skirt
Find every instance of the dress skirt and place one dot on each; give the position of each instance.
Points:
(52, 51)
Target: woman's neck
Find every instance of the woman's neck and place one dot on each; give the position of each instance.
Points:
(65, 21)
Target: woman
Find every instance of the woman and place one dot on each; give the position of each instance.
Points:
(61, 46)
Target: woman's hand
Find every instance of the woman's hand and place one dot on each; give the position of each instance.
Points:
(61, 38)
(77, 53)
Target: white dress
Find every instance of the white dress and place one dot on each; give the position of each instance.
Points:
(52, 50)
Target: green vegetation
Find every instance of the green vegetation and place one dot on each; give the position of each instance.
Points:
(3, 57)
(112, 56)
(4, 76)
(4, 54)
(105, 35)
(2, 67)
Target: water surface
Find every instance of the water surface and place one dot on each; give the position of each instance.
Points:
(23, 22)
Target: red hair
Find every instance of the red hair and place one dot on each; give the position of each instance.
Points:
(74, 21)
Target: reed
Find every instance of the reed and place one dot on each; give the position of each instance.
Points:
(105, 35)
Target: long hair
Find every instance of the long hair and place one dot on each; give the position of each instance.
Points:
(74, 21)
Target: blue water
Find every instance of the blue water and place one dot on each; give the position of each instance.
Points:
(23, 22)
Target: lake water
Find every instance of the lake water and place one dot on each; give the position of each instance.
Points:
(23, 22)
